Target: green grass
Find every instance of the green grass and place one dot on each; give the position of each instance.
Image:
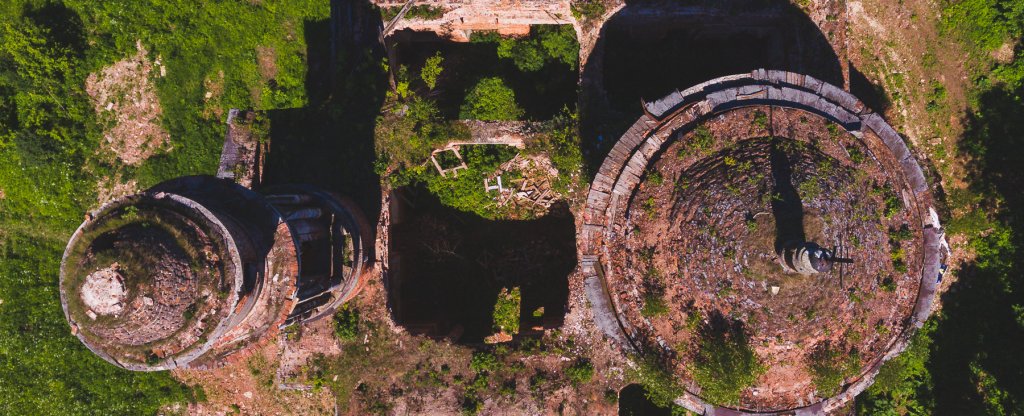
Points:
(49, 136)
(506, 311)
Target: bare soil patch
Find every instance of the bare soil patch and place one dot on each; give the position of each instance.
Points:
(111, 188)
(125, 98)
(266, 58)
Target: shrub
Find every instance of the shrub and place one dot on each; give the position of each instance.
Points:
(829, 367)
(856, 155)
(587, 9)
(611, 396)
(506, 311)
(580, 372)
(346, 323)
(655, 179)
(700, 142)
(483, 362)
(431, 70)
(659, 384)
(888, 285)
(760, 119)
(892, 203)
(491, 100)
(725, 365)
(650, 207)
(901, 234)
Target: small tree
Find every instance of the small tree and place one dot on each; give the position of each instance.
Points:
(506, 311)
(346, 323)
(580, 372)
(491, 100)
(725, 364)
(829, 367)
(559, 43)
(659, 384)
(431, 70)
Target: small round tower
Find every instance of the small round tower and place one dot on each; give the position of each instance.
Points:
(196, 268)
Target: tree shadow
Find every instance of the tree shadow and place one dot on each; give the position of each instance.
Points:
(651, 48)
(976, 362)
(787, 208)
(330, 142)
(64, 26)
(447, 266)
(633, 401)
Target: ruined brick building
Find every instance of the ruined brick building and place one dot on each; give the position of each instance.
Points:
(197, 268)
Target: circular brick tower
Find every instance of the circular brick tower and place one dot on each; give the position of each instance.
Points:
(196, 268)
(697, 206)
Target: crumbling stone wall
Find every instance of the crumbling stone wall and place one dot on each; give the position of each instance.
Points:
(622, 170)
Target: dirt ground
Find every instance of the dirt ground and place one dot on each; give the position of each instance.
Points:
(125, 99)
(386, 370)
(111, 188)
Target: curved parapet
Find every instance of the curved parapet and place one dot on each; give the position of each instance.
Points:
(609, 223)
(333, 247)
(183, 276)
(197, 268)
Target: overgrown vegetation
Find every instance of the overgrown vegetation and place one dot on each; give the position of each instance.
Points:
(346, 323)
(491, 100)
(659, 384)
(829, 366)
(506, 311)
(964, 360)
(587, 9)
(546, 44)
(50, 160)
(560, 140)
(725, 364)
(466, 191)
(419, 11)
(407, 134)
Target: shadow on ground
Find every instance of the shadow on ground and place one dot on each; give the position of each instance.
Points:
(330, 142)
(652, 48)
(976, 363)
(447, 267)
